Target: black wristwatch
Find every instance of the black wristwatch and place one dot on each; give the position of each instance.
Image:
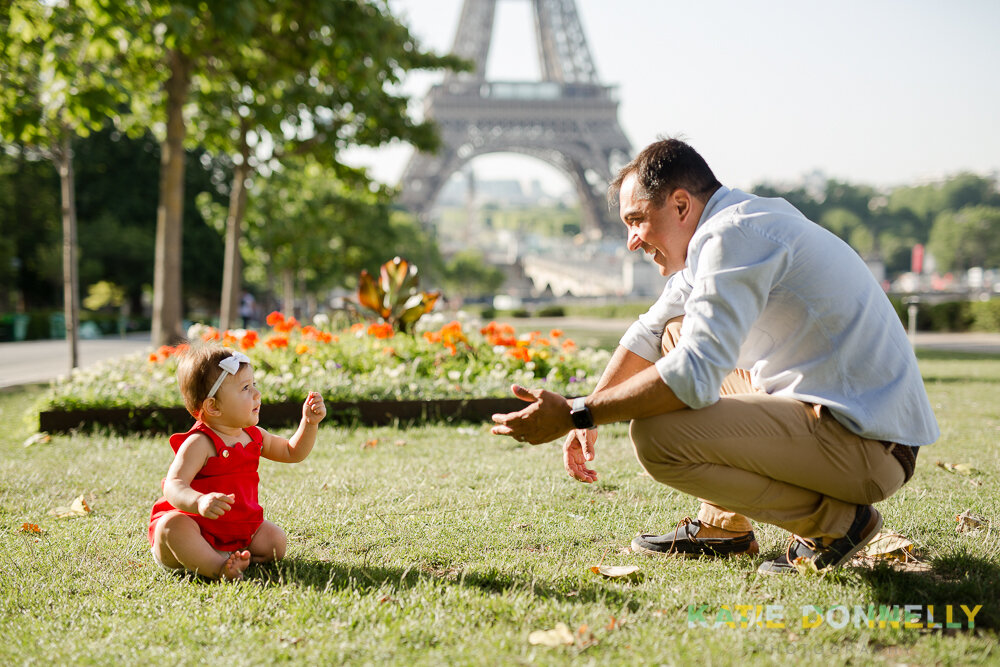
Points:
(580, 414)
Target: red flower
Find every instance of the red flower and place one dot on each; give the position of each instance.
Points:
(274, 318)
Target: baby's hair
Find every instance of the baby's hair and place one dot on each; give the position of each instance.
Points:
(197, 371)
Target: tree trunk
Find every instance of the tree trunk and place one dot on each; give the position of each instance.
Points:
(167, 297)
(232, 268)
(288, 292)
(71, 288)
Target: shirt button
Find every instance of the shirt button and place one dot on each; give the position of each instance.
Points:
(225, 453)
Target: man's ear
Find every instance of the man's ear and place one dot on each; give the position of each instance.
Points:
(680, 199)
(210, 407)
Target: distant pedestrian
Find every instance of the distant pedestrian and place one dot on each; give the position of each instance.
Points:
(248, 310)
(209, 521)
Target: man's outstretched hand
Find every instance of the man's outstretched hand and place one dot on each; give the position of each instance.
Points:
(546, 418)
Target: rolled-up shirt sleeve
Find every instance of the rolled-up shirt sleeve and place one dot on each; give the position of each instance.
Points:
(733, 273)
(645, 335)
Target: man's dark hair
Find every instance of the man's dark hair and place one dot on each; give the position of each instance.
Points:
(662, 167)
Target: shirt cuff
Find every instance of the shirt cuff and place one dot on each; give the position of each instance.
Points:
(640, 340)
(678, 372)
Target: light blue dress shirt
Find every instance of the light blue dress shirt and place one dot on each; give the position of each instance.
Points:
(767, 290)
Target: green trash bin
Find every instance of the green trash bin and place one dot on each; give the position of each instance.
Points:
(20, 326)
(57, 326)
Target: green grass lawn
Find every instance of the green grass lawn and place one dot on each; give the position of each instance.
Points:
(443, 544)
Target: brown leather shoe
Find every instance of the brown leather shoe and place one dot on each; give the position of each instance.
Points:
(684, 541)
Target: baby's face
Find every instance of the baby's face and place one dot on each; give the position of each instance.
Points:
(238, 399)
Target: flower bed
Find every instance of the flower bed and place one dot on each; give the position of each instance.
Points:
(368, 362)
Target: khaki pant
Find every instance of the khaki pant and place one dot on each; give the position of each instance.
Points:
(772, 459)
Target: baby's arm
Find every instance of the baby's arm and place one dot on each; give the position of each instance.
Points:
(190, 458)
(301, 443)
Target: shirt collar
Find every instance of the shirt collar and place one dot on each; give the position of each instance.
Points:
(714, 204)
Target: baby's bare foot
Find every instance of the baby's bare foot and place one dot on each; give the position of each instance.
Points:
(234, 565)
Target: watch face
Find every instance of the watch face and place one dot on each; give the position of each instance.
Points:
(582, 417)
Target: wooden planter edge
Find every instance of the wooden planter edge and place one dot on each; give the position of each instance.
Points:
(177, 419)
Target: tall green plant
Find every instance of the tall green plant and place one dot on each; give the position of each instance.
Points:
(394, 297)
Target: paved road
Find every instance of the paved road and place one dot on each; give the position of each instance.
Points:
(40, 361)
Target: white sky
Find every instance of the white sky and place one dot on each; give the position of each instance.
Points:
(882, 92)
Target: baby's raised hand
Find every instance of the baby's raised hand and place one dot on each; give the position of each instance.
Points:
(313, 410)
(213, 505)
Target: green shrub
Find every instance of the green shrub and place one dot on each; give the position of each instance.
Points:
(984, 315)
(551, 311)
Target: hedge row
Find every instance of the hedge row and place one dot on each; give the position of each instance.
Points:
(955, 316)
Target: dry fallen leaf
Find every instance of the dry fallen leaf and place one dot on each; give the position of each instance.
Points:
(557, 636)
(370, 443)
(400, 443)
(969, 521)
(30, 528)
(40, 438)
(615, 571)
(890, 546)
(806, 566)
(78, 508)
(960, 468)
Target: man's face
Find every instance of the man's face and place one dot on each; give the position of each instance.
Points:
(662, 232)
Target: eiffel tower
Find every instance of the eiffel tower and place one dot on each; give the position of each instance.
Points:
(568, 119)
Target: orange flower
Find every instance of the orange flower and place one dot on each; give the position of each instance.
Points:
(249, 340)
(302, 348)
(389, 351)
(381, 330)
(357, 327)
(274, 342)
(286, 325)
(153, 358)
(228, 339)
(432, 336)
(555, 333)
(275, 318)
(211, 334)
(568, 345)
(519, 352)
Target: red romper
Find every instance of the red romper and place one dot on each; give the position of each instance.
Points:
(232, 470)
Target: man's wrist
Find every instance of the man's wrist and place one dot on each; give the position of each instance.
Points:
(580, 414)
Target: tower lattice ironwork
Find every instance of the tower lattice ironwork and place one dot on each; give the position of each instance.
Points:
(568, 119)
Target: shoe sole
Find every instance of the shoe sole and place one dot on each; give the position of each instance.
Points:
(637, 547)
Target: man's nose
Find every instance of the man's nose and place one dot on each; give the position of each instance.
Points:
(634, 242)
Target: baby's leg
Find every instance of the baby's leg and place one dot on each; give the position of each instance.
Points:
(179, 544)
(268, 543)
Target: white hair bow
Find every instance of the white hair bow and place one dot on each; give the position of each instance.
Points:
(231, 366)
